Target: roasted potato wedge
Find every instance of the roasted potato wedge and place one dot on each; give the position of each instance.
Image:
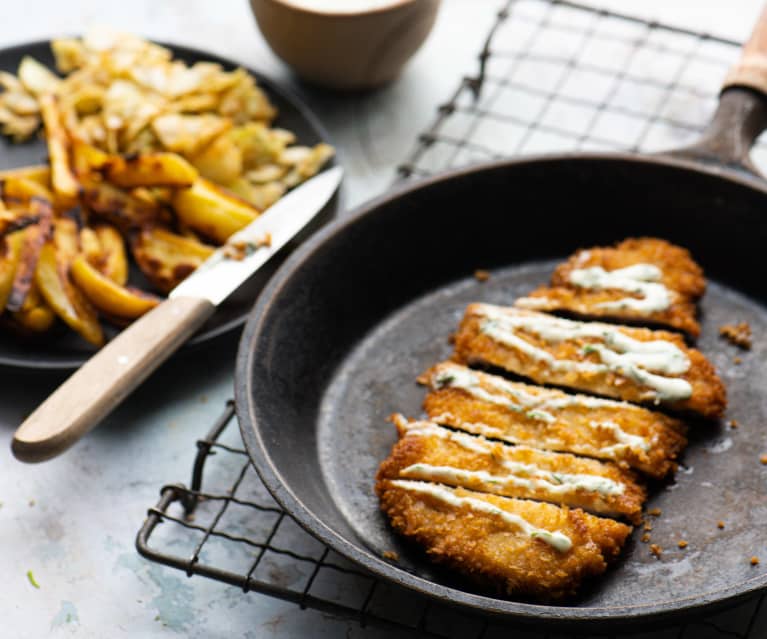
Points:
(9, 262)
(40, 173)
(12, 220)
(87, 158)
(212, 211)
(262, 196)
(66, 300)
(104, 248)
(36, 78)
(220, 161)
(188, 133)
(166, 258)
(18, 191)
(149, 169)
(62, 177)
(66, 238)
(108, 296)
(34, 316)
(35, 237)
(118, 207)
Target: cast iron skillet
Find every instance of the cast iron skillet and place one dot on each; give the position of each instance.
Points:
(334, 344)
(63, 349)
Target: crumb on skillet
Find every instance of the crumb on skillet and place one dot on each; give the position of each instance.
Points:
(391, 555)
(682, 544)
(720, 525)
(733, 423)
(481, 275)
(763, 458)
(737, 360)
(647, 526)
(754, 560)
(738, 334)
(645, 538)
(654, 512)
(656, 550)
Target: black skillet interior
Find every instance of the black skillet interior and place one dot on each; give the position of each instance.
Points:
(337, 340)
(62, 349)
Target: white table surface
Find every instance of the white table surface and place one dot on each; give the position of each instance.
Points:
(72, 521)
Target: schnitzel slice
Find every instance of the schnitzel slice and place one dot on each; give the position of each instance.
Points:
(515, 546)
(632, 364)
(429, 452)
(640, 280)
(544, 418)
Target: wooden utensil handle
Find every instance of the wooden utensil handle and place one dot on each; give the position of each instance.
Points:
(751, 70)
(105, 379)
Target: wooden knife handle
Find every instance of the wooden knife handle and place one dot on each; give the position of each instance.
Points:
(751, 70)
(105, 379)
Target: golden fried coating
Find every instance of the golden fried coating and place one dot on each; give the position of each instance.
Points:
(632, 364)
(429, 452)
(519, 547)
(596, 282)
(680, 272)
(489, 405)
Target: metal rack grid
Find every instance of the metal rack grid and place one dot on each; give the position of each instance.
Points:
(553, 76)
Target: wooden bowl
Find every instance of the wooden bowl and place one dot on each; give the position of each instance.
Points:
(342, 47)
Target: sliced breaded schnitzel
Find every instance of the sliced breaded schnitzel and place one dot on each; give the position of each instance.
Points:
(632, 364)
(520, 547)
(489, 405)
(641, 279)
(429, 452)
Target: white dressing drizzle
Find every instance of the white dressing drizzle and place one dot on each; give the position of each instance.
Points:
(525, 475)
(536, 479)
(519, 402)
(625, 440)
(452, 375)
(426, 429)
(477, 428)
(456, 376)
(618, 352)
(640, 279)
(613, 451)
(557, 540)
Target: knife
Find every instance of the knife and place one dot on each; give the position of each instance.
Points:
(97, 387)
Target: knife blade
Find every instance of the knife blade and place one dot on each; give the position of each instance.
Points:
(109, 376)
(218, 277)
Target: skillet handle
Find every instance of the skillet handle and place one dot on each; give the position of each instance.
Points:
(742, 112)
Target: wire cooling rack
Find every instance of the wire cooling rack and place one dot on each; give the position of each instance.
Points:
(553, 76)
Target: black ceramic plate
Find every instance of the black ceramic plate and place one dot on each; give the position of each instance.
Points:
(63, 349)
(334, 346)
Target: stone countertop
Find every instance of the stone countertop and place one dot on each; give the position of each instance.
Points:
(72, 521)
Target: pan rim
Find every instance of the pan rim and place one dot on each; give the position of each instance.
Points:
(313, 524)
